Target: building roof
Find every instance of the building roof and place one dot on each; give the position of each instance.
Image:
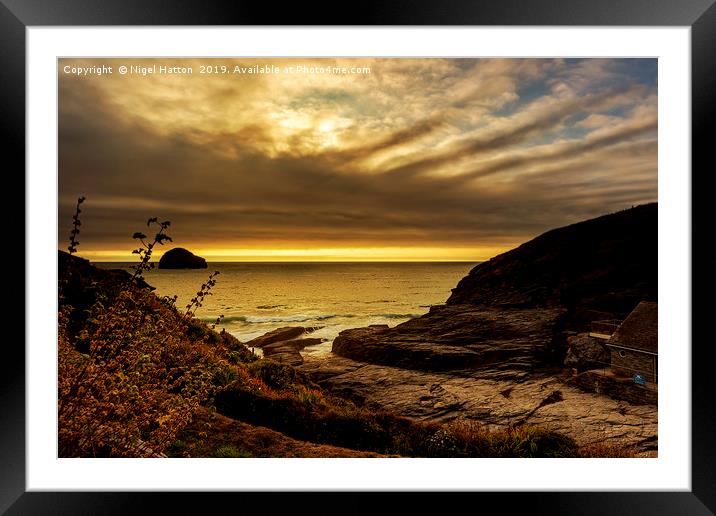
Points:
(640, 329)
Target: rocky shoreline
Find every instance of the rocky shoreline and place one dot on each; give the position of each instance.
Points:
(495, 352)
(500, 391)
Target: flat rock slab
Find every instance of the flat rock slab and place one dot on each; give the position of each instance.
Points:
(543, 399)
(456, 337)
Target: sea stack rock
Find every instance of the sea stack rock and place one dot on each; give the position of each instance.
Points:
(180, 258)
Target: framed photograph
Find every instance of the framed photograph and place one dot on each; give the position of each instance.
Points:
(443, 250)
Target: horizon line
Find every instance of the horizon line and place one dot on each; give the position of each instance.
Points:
(303, 261)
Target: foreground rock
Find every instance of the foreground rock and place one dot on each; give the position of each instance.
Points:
(461, 337)
(546, 399)
(180, 258)
(585, 352)
(284, 344)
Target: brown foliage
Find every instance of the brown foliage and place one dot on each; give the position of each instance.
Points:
(138, 385)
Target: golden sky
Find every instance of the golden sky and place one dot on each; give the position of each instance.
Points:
(410, 159)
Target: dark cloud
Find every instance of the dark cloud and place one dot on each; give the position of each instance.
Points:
(397, 138)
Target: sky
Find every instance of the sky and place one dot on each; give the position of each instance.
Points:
(378, 160)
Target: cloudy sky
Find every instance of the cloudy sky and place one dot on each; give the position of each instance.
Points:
(420, 159)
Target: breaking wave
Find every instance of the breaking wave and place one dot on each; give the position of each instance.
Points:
(265, 319)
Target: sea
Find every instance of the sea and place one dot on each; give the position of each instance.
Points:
(255, 298)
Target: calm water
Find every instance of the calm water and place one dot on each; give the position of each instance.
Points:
(258, 297)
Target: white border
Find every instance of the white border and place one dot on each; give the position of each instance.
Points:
(670, 471)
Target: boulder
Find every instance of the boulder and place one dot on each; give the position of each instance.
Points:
(278, 335)
(180, 258)
(283, 344)
(585, 352)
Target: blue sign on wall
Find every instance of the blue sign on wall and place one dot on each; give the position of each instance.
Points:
(639, 379)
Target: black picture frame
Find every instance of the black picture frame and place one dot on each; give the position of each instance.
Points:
(700, 15)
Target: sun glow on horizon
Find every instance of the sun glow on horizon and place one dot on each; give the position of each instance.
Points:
(356, 254)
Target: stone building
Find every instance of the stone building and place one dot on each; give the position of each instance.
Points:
(634, 344)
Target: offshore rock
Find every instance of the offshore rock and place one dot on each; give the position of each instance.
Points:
(180, 258)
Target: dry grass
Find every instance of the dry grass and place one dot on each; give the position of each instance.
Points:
(605, 450)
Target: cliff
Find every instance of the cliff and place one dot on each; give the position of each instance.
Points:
(607, 264)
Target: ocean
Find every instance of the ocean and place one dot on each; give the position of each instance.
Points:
(258, 297)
